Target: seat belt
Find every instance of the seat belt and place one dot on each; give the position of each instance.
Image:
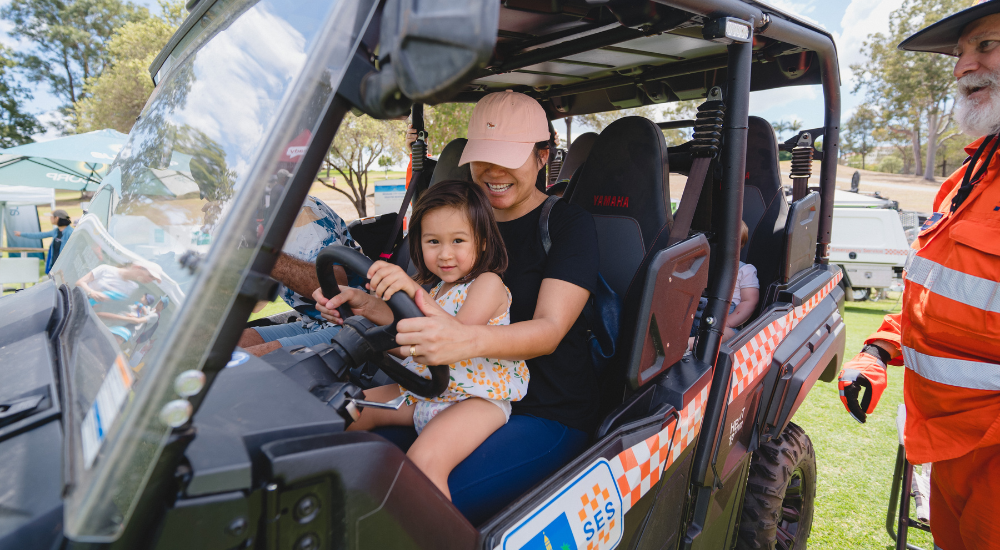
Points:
(707, 134)
(418, 155)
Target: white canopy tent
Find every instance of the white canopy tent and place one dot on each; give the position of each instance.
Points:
(20, 195)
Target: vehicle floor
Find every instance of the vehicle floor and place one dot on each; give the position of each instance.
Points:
(854, 462)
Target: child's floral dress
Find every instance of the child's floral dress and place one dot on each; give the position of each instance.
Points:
(498, 380)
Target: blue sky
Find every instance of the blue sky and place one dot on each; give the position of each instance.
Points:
(850, 22)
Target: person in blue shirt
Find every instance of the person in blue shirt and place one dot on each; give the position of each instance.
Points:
(59, 234)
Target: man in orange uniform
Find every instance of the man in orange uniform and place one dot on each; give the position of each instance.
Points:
(948, 333)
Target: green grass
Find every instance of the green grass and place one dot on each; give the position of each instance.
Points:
(854, 461)
(277, 306)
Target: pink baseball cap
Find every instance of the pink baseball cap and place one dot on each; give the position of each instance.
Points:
(504, 128)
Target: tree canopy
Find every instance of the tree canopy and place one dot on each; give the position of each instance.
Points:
(913, 91)
(68, 40)
(16, 126)
(360, 142)
(115, 98)
(859, 131)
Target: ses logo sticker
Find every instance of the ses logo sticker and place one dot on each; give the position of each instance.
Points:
(586, 514)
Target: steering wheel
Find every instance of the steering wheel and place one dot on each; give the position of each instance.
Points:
(364, 341)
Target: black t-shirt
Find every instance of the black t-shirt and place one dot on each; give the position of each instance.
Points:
(563, 385)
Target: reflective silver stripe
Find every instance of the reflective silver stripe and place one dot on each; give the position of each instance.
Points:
(968, 289)
(973, 375)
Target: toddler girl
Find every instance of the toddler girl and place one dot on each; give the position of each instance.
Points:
(455, 243)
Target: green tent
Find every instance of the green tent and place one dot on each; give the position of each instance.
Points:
(76, 162)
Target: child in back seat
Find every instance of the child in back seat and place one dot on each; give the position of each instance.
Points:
(745, 297)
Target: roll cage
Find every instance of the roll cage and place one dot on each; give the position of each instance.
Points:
(575, 58)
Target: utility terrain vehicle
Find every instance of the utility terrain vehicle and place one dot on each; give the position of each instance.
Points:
(128, 420)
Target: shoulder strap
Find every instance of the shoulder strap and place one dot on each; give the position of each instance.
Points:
(543, 222)
(689, 199)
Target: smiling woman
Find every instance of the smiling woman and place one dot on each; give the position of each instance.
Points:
(551, 425)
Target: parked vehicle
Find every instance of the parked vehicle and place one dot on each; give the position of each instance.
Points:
(868, 243)
(159, 435)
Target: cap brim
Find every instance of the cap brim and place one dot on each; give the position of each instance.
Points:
(942, 37)
(503, 153)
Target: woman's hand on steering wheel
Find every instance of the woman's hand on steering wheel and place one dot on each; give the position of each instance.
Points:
(361, 303)
(438, 338)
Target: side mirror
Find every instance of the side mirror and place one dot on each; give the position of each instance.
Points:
(428, 49)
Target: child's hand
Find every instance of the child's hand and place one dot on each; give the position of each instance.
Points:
(386, 279)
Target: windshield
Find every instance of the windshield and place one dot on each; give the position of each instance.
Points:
(154, 270)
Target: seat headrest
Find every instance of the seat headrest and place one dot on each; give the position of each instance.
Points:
(578, 152)
(626, 175)
(762, 157)
(447, 164)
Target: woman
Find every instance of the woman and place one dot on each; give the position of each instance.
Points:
(507, 146)
(59, 233)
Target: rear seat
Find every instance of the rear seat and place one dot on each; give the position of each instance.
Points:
(765, 210)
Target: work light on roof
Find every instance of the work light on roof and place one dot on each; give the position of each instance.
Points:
(727, 30)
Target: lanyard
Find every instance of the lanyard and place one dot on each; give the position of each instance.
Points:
(968, 181)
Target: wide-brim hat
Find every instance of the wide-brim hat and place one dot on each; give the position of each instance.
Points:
(942, 37)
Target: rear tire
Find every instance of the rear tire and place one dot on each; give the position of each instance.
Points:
(781, 493)
(861, 294)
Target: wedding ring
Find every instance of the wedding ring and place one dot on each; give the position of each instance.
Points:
(413, 350)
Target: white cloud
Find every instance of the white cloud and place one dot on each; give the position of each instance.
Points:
(798, 8)
(763, 101)
(862, 18)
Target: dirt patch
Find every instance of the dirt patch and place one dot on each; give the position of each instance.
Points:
(912, 192)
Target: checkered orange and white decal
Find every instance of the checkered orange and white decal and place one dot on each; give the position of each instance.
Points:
(750, 360)
(638, 468)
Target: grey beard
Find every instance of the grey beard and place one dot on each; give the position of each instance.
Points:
(978, 118)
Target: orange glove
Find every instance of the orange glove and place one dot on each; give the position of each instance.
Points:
(864, 371)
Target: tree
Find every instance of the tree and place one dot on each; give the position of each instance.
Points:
(16, 126)
(360, 142)
(782, 126)
(858, 136)
(913, 91)
(385, 161)
(116, 97)
(569, 130)
(681, 110)
(68, 40)
(446, 122)
(600, 121)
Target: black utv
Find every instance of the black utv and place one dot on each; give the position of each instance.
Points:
(160, 434)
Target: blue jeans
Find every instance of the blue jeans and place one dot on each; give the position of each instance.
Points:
(298, 333)
(518, 456)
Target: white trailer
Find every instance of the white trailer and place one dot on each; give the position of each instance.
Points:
(868, 243)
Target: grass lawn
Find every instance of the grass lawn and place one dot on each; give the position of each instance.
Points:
(277, 306)
(854, 461)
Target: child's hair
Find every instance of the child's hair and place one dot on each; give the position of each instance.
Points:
(744, 234)
(491, 256)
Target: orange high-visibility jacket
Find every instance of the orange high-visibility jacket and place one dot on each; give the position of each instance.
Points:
(949, 329)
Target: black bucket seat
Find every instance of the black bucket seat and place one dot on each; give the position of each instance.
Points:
(764, 207)
(624, 185)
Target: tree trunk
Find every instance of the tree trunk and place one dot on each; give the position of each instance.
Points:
(569, 131)
(915, 146)
(932, 122)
